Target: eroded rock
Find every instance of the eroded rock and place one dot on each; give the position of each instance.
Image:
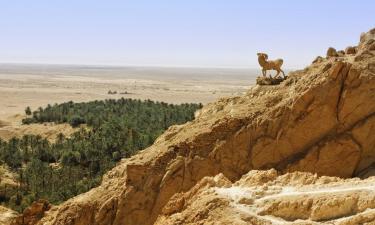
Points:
(7, 216)
(32, 214)
(350, 50)
(262, 197)
(318, 59)
(269, 80)
(331, 52)
(319, 120)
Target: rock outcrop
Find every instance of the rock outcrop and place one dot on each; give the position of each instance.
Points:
(7, 216)
(331, 52)
(263, 197)
(269, 80)
(32, 214)
(320, 120)
(350, 50)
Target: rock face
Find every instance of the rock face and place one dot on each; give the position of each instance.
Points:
(7, 216)
(331, 52)
(318, 59)
(350, 50)
(320, 120)
(33, 213)
(263, 197)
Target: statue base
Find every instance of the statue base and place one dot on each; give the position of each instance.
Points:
(270, 81)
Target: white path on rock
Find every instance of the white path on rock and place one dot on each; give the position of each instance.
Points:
(249, 211)
(236, 193)
(292, 191)
(352, 216)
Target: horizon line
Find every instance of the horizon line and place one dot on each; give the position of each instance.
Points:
(134, 66)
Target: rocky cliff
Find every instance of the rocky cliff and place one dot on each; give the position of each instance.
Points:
(320, 120)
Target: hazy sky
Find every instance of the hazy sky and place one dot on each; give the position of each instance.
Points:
(208, 33)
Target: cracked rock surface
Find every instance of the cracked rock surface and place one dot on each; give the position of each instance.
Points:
(320, 120)
(263, 197)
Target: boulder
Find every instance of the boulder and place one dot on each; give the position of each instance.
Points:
(331, 52)
(32, 214)
(269, 80)
(350, 50)
(318, 59)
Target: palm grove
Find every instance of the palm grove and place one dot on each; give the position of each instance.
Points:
(71, 165)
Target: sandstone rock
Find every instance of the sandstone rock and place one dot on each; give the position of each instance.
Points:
(372, 47)
(350, 50)
(363, 55)
(33, 213)
(320, 120)
(344, 148)
(331, 52)
(366, 40)
(7, 216)
(296, 198)
(318, 59)
(269, 81)
(340, 53)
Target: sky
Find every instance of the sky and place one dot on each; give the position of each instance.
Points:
(188, 33)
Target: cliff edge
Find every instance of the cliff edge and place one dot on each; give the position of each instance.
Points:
(320, 120)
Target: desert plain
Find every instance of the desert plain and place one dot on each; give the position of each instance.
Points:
(34, 85)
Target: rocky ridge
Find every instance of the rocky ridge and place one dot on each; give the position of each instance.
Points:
(320, 120)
